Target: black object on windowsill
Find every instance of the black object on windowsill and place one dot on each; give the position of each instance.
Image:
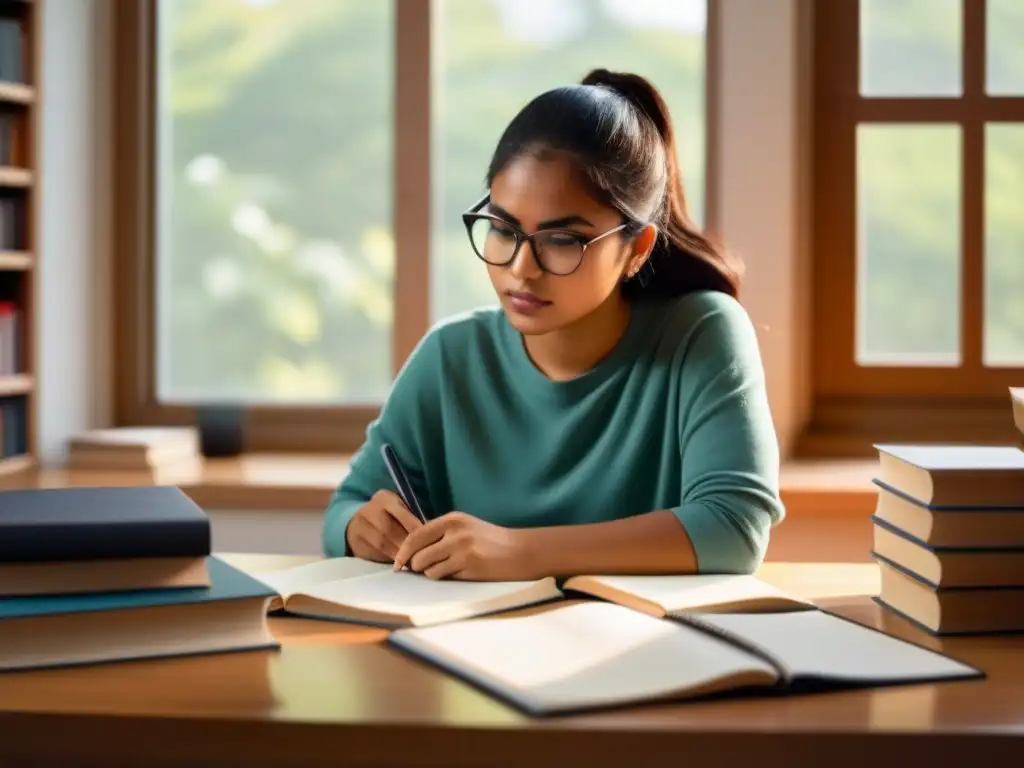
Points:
(220, 430)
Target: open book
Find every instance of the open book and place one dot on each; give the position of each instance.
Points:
(594, 655)
(351, 589)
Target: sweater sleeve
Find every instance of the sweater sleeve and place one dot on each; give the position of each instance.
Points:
(409, 419)
(730, 461)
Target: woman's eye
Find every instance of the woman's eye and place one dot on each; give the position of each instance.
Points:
(563, 241)
(502, 231)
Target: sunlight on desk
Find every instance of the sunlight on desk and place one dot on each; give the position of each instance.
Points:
(821, 581)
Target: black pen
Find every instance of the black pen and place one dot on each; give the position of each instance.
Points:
(401, 480)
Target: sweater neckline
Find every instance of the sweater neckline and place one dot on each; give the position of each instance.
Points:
(534, 379)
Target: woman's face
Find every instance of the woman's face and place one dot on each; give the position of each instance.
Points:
(546, 193)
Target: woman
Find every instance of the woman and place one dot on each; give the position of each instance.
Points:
(611, 416)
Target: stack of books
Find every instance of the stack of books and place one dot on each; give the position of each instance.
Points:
(105, 574)
(135, 449)
(949, 536)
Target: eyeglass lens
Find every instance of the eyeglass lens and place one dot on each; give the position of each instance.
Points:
(559, 252)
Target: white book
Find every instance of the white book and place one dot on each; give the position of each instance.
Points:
(352, 589)
(594, 655)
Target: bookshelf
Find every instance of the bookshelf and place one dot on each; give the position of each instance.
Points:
(18, 256)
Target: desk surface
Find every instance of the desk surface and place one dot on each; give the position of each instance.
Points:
(334, 692)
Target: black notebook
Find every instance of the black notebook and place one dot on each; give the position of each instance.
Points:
(595, 655)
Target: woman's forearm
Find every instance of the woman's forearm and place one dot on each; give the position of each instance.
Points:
(655, 542)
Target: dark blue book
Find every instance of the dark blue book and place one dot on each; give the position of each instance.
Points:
(67, 630)
(116, 523)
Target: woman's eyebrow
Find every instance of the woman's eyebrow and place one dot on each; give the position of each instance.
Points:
(564, 221)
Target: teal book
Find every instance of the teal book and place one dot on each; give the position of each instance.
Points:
(67, 630)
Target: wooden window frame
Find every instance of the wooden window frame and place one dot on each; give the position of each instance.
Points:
(856, 406)
(290, 427)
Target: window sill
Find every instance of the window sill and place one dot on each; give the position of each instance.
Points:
(810, 488)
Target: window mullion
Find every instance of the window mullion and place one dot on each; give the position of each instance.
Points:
(411, 214)
(972, 237)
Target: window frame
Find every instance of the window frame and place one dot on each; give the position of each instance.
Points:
(855, 406)
(287, 428)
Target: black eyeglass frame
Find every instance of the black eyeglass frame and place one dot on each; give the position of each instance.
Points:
(473, 214)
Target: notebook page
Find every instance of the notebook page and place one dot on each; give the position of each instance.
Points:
(815, 644)
(411, 593)
(583, 655)
(683, 593)
(301, 577)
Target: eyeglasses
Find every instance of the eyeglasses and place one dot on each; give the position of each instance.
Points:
(497, 242)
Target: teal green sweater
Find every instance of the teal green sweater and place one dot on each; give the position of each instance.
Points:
(676, 418)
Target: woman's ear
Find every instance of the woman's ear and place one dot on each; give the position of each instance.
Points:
(643, 244)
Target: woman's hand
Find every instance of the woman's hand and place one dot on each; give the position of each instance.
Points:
(380, 527)
(461, 546)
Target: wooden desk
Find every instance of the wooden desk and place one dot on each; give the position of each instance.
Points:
(335, 695)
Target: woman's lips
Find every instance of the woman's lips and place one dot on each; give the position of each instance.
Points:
(526, 302)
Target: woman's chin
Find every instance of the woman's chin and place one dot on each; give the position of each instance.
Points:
(530, 323)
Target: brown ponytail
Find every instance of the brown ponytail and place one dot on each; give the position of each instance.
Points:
(625, 147)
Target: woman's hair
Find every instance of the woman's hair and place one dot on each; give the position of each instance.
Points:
(617, 131)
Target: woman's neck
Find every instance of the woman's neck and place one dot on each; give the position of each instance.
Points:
(572, 351)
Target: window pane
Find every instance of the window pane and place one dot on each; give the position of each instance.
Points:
(1004, 245)
(275, 256)
(908, 255)
(496, 55)
(910, 47)
(1004, 52)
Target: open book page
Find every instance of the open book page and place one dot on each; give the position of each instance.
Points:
(584, 656)
(289, 580)
(410, 598)
(817, 646)
(661, 595)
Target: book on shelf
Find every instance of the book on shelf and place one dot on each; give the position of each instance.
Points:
(351, 589)
(594, 655)
(97, 539)
(13, 426)
(10, 339)
(75, 629)
(12, 51)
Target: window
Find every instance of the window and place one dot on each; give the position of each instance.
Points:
(919, 245)
(291, 175)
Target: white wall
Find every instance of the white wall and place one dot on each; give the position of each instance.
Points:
(761, 181)
(762, 185)
(73, 223)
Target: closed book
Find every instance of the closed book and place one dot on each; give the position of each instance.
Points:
(949, 566)
(960, 526)
(950, 610)
(66, 630)
(954, 475)
(93, 539)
